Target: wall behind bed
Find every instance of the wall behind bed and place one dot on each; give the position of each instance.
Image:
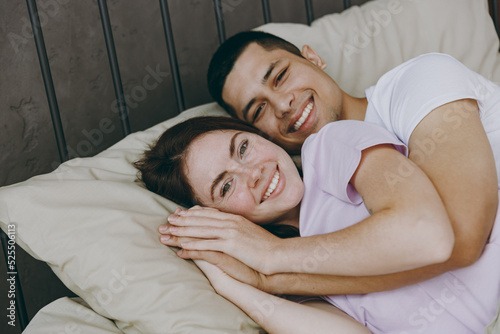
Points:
(82, 79)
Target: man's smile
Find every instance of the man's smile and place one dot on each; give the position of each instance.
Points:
(302, 116)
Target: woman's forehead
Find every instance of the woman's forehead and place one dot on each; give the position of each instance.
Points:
(205, 160)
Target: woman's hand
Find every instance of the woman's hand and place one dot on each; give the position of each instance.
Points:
(208, 229)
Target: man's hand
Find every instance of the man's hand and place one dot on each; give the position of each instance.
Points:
(229, 265)
(208, 229)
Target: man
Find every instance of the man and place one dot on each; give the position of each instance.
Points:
(269, 83)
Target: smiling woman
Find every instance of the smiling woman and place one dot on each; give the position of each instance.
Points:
(162, 166)
(247, 181)
(252, 177)
(244, 175)
(166, 170)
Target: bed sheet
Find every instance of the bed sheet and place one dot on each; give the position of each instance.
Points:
(96, 227)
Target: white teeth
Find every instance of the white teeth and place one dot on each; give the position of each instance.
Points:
(272, 186)
(302, 118)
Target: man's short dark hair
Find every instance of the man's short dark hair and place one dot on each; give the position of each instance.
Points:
(228, 53)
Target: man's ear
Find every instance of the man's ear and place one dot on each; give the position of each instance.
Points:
(313, 56)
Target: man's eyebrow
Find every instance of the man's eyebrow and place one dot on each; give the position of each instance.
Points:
(224, 173)
(247, 109)
(266, 76)
(269, 71)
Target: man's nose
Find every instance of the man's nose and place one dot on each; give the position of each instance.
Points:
(283, 104)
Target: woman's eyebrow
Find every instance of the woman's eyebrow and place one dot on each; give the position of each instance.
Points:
(215, 183)
(221, 176)
(232, 145)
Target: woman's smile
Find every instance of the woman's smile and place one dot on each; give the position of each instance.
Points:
(245, 175)
(272, 185)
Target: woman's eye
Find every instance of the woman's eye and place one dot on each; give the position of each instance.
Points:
(243, 148)
(226, 187)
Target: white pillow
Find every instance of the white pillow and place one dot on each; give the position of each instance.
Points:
(66, 315)
(363, 42)
(96, 227)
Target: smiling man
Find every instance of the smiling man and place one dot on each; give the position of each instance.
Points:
(254, 92)
(441, 110)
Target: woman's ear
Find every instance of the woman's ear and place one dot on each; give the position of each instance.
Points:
(312, 56)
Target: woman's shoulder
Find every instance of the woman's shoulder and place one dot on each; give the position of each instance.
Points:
(351, 133)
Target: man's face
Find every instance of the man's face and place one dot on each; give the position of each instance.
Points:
(284, 95)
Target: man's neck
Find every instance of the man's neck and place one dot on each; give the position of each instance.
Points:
(354, 108)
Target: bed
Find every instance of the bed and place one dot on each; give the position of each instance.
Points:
(95, 225)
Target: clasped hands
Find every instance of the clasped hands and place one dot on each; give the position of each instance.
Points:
(240, 248)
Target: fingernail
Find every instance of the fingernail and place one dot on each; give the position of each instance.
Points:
(172, 217)
(182, 213)
(165, 238)
(179, 252)
(163, 229)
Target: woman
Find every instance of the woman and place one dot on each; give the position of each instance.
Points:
(236, 171)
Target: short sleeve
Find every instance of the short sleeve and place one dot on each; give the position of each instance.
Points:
(331, 156)
(408, 93)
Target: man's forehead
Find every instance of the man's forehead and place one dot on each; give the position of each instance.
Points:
(249, 69)
(258, 58)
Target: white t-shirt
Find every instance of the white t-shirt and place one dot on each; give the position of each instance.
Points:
(405, 95)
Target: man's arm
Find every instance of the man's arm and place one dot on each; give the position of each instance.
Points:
(398, 236)
(451, 147)
(312, 284)
(408, 226)
(277, 315)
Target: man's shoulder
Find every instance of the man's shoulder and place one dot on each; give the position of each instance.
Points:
(430, 72)
(421, 67)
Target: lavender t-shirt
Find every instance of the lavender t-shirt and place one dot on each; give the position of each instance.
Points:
(460, 301)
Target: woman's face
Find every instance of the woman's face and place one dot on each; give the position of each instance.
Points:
(243, 173)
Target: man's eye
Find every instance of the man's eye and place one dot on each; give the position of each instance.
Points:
(280, 76)
(225, 188)
(243, 148)
(257, 113)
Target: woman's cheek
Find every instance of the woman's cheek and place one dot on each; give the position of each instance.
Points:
(242, 204)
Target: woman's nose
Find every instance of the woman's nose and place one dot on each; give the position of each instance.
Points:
(254, 174)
